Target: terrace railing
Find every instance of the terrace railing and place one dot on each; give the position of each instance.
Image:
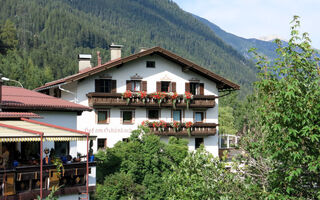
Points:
(24, 182)
(116, 99)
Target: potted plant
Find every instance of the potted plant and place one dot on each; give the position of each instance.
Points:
(173, 96)
(176, 126)
(142, 95)
(145, 123)
(162, 125)
(188, 125)
(188, 96)
(156, 125)
(127, 95)
(159, 96)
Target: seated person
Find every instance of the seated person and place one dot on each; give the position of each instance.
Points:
(5, 157)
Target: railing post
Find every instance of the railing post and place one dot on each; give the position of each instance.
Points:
(41, 165)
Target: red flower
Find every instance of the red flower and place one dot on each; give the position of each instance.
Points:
(159, 95)
(145, 123)
(163, 124)
(173, 95)
(188, 124)
(142, 94)
(188, 95)
(127, 94)
(176, 124)
(156, 124)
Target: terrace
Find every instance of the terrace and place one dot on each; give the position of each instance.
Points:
(116, 99)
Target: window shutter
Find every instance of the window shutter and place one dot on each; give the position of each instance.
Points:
(129, 85)
(97, 85)
(173, 86)
(113, 86)
(187, 87)
(158, 86)
(144, 85)
(201, 88)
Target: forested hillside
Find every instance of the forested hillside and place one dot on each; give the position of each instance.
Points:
(51, 34)
(243, 45)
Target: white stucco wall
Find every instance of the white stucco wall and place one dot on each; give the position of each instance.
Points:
(64, 119)
(165, 70)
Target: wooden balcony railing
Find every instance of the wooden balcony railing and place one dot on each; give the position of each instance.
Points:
(24, 182)
(197, 129)
(115, 99)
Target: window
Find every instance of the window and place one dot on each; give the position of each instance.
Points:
(198, 142)
(153, 114)
(103, 85)
(135, 86)
(165, 86)
(102, 143)
(151, 64)
(61, 148)
(103, 116)
(127, 116)
(195, 88)
(176, 115)
(199, 116)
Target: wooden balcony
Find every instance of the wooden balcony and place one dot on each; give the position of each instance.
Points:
(115, 99)
(24, 182)
(197, 129)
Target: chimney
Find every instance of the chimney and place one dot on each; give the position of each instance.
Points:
(143, 49)
(99, 58)
(84, 61)
(115, 51)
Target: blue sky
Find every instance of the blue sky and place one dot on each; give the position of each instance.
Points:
(259, 18)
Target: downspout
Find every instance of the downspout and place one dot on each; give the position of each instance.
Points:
(75, 100)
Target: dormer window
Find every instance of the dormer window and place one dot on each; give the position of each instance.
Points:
(150, 64)
(166, 86)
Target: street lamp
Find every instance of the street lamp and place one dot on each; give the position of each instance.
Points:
(8, 79)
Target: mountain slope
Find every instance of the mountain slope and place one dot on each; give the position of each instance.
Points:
(241, 44)
(52, 33)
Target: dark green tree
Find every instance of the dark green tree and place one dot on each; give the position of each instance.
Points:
(8, 37)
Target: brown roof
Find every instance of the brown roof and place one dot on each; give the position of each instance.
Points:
(18, 115)
(223, 84)
(20, 98)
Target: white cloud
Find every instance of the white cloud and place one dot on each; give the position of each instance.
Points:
(258, 18)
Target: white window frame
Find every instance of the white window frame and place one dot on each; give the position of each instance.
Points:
(228, 141)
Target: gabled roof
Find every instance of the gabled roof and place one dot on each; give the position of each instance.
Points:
(23, 130)
(222, 83)
(23, 99)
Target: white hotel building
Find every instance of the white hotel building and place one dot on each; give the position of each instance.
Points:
(152, 70)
